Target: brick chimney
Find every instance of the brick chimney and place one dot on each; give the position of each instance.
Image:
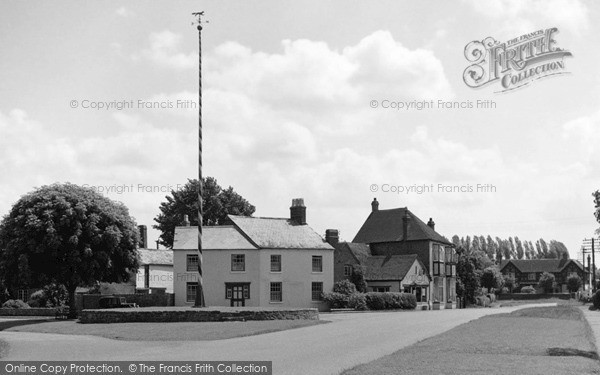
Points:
(143, 231)
(332, 236)
(374, 205)
(298, 211)
(431, 224)
(186, 221)
(405, 223)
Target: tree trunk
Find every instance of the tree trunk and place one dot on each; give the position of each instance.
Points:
(72, 306)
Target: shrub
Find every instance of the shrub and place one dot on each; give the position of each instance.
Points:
(492, 297)
(37, 299)
(547, 282)
(408, 301)
(390, 301)
(344, 287)
(491, 278)
(375, 301)
(483, 301)
(596, 300)
(15, 304)
(573, 283)
(528, 289)
(357, 301)
(358, 279)
(336, 300)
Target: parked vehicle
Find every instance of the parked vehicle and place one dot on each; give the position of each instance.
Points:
(113, 302)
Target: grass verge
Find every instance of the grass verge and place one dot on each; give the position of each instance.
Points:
(537, 340)
(188, 331)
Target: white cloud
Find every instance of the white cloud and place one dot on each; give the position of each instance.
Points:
(526, 16)
(124, 12)
(164, 50)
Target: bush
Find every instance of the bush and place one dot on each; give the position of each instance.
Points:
(15, 304)
(357, 301)
(390, 301)
(375, 301)
(573, 283)
(528, 289)
(596, 300)
(336, 300)
(37, 299)
(547, 282)
(492, 297)
(483, 301)
(344, 287)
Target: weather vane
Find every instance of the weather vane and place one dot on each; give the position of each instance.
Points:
(199, 20)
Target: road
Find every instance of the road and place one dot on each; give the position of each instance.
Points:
(350, 339)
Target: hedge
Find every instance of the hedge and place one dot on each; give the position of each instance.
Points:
(371, 301)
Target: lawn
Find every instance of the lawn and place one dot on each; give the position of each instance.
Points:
(510, 302)
(537, 340)
(188, 331)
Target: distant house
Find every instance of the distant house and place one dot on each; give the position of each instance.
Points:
(255, 261)
(399, 252)
(156, 270)
(527, 272)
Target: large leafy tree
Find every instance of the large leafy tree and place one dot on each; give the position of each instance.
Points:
(468, 271)
(217, 203)
(66, 234)
(491, 278)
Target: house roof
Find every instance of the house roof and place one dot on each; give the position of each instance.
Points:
(393, 267)
(278, 233)
(156, 257)
(213, 238)
(387, 226)
(251, 233)
(539, 265)
(360, 251)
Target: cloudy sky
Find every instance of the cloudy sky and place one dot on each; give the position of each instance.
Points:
(289, 88)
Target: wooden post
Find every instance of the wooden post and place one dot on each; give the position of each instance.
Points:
(199, 302)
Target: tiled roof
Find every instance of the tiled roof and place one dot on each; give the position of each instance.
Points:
(393, 267)
(276, 233)
(386, 226)
(539, 265)
(360, 251)
(213, 238)
(155, 256)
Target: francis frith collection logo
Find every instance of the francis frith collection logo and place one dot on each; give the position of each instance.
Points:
(516, 62)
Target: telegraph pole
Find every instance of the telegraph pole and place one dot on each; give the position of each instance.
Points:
(589, 246)
(200, 302)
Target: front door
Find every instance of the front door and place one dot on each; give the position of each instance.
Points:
(237, 296)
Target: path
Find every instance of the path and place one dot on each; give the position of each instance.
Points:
(350, 339)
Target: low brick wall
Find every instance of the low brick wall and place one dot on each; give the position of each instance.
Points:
(91, 301)
(532, 296)
(189, 314)
(34, 311)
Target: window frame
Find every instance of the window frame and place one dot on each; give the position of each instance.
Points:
(194, 286)
(234, 261)
(319, 268)
(346, 268)
(319, 290)
(280, 292)
(277, 269)
(188, 264)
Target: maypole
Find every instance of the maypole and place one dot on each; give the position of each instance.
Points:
(199, 290)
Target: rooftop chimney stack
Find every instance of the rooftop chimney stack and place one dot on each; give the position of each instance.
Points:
(298, 211)
(186, 221)
(143, 231)
(405, 222)
(431, 224)
(332, 236)
(374, 205)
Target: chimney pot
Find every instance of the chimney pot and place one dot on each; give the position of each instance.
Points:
(298, 211)
(332, 236)
(186, 221)
(405, 222)
(143, 231)
(431, 224)
(374, 205)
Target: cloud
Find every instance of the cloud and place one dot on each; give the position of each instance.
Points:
(164, 51)
(124, 12)
(525, 16)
